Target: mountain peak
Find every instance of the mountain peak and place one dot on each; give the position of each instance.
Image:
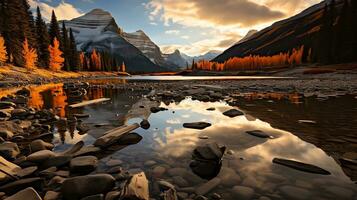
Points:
(97, 14)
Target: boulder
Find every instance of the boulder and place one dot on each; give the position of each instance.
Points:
(83, 164)
(209, 152)
(233, 113)
(82, 186)
(38, 145)
(28, 194)
(41, 156)
(9, 150)
(197, 125)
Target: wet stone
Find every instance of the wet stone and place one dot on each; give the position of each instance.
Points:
(259, 133)
(9, 150)
(145, 124)
(38, 145)
(40, 156)
(243, 193)
(233, 113)
(28, 194)
(301, 166)
(84, 164)
(292, 192)
(197, 125)
(52, 195)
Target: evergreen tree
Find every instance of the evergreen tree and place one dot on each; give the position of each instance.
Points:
(29, 24)
(54, 30)
(325, 36)
(74, 55)
(354, 27)
(42, 41)
(65, 47)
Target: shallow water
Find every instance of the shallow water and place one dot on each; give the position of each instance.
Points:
(168, 146)
(185, 78)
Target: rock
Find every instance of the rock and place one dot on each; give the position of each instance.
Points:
(82, 186)
(158, 171)
(28, 194)
(24, 92)
(87, 150)
(4, 115)
(203, 137)
(211, 109)
(94, 197)
(112, 195)
(301, 166)
(26, 172)
(208, 186)
(80, 116)
(209, 152)
(51, 195)
(229, 177)
(137, 188)
(6, 134)
(57, 161)
(12, 127)
(38, 145)
(164, 185)
(56, 182)
(302, 121)
(41, 156)
(216, 196)
(6, 105)
(113, 162)
(197, 125)
(157, 109)
(130, 139)
(243, 193)
(7, 170)
(340, 192)
(291, 192)
(19, 113)
(233, 113)
(83, 164)
(259, 133)
(149, 163)
(145, 124)
(182, 195)
(16, 186)
(9, 150)
(181, 182)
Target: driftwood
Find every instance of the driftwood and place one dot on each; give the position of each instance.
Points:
(86, 103)
(136, 188)
(114, 135)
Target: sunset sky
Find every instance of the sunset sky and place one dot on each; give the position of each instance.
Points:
(192, 26)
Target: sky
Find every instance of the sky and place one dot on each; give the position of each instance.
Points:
(192, 26)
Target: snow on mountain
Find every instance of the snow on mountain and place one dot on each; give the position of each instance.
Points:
(182, 59)
(98, 30)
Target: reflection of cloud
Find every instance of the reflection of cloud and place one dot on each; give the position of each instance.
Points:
(173, 121)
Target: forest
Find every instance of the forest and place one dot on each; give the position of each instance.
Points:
(29, 42)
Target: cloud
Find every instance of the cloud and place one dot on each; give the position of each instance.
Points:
(172, 32)
(208, 13)
(64, 11)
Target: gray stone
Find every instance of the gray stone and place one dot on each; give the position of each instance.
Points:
(243, 193)
(9, 150)
(82, 186)
(83, 164)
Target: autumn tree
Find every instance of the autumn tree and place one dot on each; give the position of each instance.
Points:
(123, 67)
(3, 52)
(95, 61)
(29, 55)
(56, 59)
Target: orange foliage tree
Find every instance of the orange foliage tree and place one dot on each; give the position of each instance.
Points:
(3, 52)
(96, 62)
(255, 62)
(123, 67)
(29, 55)
(56, 59)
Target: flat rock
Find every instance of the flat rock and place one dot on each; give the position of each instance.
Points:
(233, 113)
(28, 194)
(7, 104)
(208, 186)
(82, 186)
(26, 171)
(243, 193)
(301, 166)
(7, 170)
(83, 164)
(52, 195)
(57, 161)
(16, 186)
(211, 109)
(259, 133)
(38, 145)
(87, 150)
(9, 150)
(41, 156)
(197, 125)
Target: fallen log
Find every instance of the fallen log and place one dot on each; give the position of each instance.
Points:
(110, 137)
(136, 188)
(86, 103)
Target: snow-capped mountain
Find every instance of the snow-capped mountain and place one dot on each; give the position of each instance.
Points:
(183, 60)
(143, 42)
(98, 30)
(176, 58)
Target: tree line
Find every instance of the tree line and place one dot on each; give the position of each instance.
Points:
(27, 41)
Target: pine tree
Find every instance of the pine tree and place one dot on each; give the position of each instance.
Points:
(29, 24)
(354, 27)
(56, 60)
(29, 55)
(54, 30)
(3, 52)
(65, 47)
(73, 54)
(42, 41)
(324, 45)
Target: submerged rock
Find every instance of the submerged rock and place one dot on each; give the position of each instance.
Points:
(157, 109)
(145, 124)
(301, 166)
(197, 125)
(233, 113)
(83, 164)
(208, 186)
(259, 133)
(83, 186)
(243, 193)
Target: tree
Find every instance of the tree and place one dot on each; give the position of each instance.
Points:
(65, 47)
(56, 60)
(95, 61)
(73, 53)
(3, 52)
(43, 41)
(54, 30)
(29, 55)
